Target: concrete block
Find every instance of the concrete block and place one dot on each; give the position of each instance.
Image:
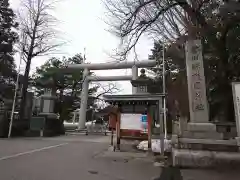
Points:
(222, 129)
(238, 142)
(230, 135)
(201, 127)
(233, 130)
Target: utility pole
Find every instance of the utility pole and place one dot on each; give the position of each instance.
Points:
(15, 96)
(164, 92)
(162, 109)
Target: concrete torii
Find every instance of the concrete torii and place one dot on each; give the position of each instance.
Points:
(134, 65)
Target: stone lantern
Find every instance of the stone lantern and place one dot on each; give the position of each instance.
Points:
(48, 98)
(53, 126)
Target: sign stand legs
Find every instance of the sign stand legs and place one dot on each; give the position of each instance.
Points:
(41, 133)
(149, 120)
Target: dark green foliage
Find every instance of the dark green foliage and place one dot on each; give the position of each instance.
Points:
(68, 86)
(8, 37)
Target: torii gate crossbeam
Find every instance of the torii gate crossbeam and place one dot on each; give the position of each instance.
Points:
(134, 65)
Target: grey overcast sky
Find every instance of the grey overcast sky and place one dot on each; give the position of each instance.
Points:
(82, 24)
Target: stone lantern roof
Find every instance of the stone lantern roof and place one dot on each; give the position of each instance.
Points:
(142, 80)
(152, 86)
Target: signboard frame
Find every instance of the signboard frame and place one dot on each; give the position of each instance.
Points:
(236, 102)
(140, 119)
(130, 119)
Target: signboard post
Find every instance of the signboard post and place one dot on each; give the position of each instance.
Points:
(37, 124)
(236, 101)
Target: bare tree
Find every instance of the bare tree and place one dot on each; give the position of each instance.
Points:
(130, 19)
(40, 37)
(167, 20)
(106, 88)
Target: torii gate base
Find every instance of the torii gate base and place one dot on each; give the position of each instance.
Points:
(105, 66)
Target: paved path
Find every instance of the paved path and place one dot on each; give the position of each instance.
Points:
(82, 157)
(67, 158)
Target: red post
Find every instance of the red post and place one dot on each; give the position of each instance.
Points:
(118, 119)
(111, 127)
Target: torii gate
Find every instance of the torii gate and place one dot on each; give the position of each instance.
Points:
(134, 65)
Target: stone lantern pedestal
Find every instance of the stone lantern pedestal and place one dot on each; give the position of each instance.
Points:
(52, 125)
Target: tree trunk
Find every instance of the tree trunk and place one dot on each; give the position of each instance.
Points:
(27, 70)
(61, 109)
(224, 81)
(24, 91)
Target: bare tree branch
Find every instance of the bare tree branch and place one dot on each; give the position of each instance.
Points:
(167, 20)
(109, 88)
(38, 28)
(130, 19)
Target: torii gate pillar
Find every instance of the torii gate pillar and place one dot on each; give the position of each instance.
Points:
(84, 100)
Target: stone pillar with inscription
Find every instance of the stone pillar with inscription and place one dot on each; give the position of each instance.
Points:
(199, 145)
(199, 125)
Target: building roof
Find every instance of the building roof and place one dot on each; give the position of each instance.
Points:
(133, 98)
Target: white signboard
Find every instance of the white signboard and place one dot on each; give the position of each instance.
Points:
(131, 121)
(196, 82)
(236, 101)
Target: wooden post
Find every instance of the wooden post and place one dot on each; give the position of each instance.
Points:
(111, 136)
(149, 121)
(41, 133)
(118, 129)
(112, 117)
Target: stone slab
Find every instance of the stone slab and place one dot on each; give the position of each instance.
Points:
(204, 159)
(232, 142)
(201, 127)
(210, 147)
(49, 115)
(202, 135)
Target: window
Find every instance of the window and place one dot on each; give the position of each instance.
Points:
(143, 89)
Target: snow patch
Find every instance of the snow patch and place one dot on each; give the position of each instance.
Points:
(156, 145)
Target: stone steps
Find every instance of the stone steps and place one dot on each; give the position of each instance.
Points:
(206, 144)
